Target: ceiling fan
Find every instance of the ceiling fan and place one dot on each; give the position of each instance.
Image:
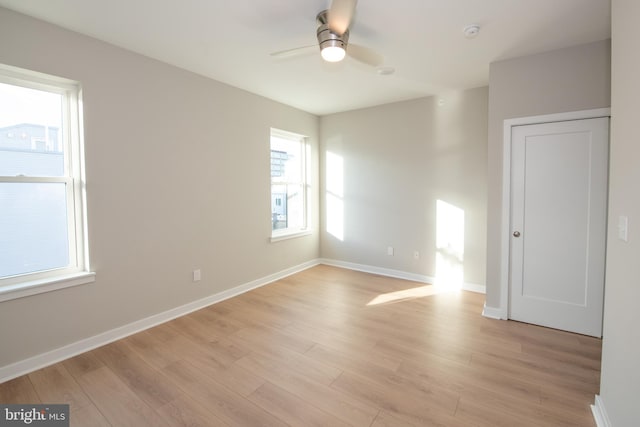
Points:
(333, 37)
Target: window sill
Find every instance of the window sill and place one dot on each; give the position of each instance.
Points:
(34, 287)
(290, 235)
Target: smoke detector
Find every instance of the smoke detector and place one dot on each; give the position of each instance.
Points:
(470, 31)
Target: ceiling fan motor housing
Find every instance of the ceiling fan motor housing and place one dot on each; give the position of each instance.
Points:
(327, 37)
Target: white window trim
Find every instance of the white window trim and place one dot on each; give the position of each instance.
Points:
(78, 272)
(276, 237)
(292, 233)
(34, 287)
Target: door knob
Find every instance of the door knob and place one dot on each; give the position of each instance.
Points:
(516, 234)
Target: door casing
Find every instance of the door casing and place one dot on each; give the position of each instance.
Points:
(505, 220)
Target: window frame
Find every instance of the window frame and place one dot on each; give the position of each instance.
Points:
(293, 232)
(77, 272)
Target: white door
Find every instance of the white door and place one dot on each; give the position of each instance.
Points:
(558, 224)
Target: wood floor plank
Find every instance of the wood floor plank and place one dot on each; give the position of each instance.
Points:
(291, 362)
(461, 381)
(83, 363)
(333, 401)
(186, 412)
(119, 404)
(54, 384)
(234, 377)
(229, 406)
(87, 416)
(586, 361)
(18, 390)
(158, 352)
(222, 324)
(329, 346)
(542, 372)
(385, 419)
(225, 352)
(341, 340)
(256, 315)
(268, 337)
(468, 338)
(146, 382)
(350, 361)
(418, 350)
(195, 329)
(291, 409)
(416, 406)
(572, 408)
(476, 414)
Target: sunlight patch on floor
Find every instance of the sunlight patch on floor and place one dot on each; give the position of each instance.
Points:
(410, 294)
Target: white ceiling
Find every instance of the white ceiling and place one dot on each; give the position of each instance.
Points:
(230, 41)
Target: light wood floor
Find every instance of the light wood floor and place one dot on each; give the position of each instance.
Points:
(329, 347)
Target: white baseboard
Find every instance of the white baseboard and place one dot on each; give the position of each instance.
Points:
(472, 287)
(39, 361)
(492, 312)
(600, 414)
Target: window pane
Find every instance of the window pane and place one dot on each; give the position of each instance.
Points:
(30, 132)
(287, 183)
(295, 205)
(33, 227)
(286, 160)
(278, 207)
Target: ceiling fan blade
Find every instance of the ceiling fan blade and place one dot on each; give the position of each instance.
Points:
(364, 55)
(295, 51)
(340, 15)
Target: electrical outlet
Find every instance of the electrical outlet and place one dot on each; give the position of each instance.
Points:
(390, 250)
(197, 275)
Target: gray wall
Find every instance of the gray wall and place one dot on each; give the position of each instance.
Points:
(398, 160)
(571, 79)
(177, 179)
(620, 383)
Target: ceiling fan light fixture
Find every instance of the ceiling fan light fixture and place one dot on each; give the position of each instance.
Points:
(333, 53)
(333, 46)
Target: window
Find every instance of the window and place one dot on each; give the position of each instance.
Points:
(288, 184)
(42, 219)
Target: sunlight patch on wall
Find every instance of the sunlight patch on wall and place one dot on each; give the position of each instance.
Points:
(449, 275)
(334, 197)
(449, 246)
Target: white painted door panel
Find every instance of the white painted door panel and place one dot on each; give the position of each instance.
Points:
(559, 196)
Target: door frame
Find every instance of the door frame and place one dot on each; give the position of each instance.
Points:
(505, 220)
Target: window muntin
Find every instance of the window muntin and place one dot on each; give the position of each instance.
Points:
(42, 221)
(288, 183)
